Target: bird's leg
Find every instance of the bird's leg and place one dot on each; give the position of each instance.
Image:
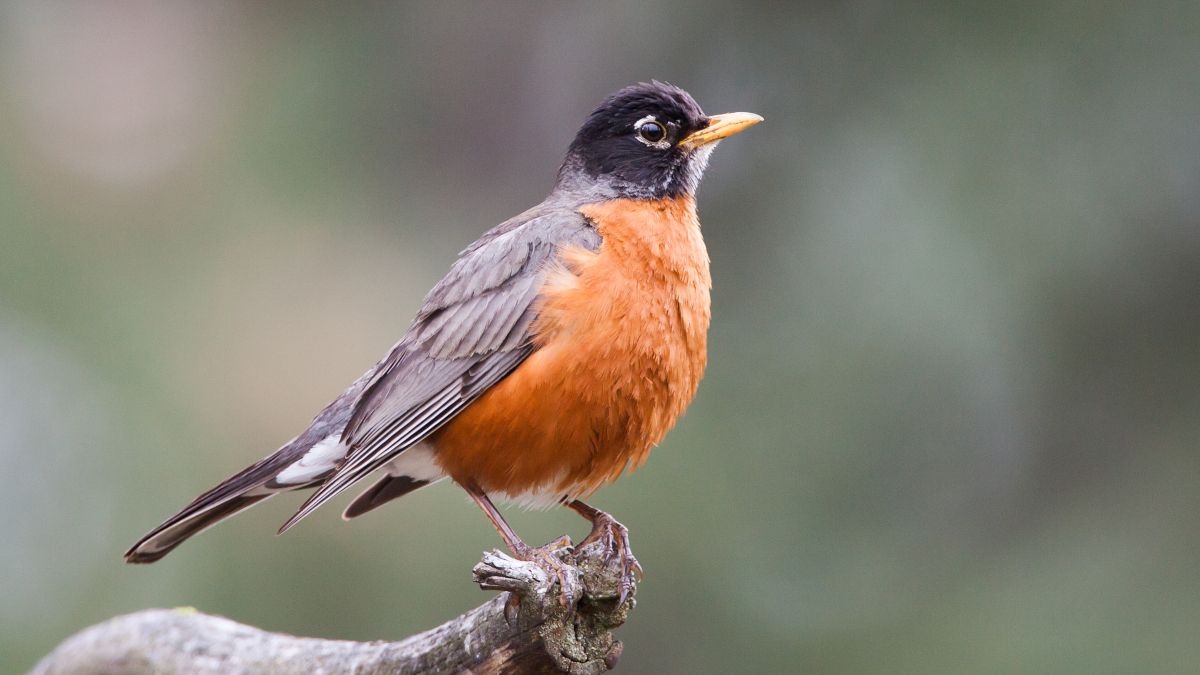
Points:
(615, 536)
(545, 556)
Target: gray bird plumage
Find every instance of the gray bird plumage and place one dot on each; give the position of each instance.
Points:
(471, 331)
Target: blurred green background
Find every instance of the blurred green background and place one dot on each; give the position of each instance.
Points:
(951, 416)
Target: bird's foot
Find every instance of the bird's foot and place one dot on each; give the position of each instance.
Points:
(563, 543)
(615, 538)
(550, 558)
(531, 571)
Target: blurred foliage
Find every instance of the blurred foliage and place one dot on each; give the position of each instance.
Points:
(951, 415)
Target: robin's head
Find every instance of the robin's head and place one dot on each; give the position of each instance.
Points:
(647, 141)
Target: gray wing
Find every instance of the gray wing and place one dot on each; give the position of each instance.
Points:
(471, 332)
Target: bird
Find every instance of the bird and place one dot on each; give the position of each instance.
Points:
(560, 347)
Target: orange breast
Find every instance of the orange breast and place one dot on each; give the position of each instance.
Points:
(621, 335)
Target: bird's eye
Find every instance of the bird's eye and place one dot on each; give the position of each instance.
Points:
(650, 131)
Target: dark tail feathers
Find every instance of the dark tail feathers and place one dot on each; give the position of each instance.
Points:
(164, 538)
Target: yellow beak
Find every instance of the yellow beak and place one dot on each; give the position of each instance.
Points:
(720, 126)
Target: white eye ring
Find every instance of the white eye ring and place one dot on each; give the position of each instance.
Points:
(661, 144)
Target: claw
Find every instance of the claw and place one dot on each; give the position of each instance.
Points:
(563, 542)
(545, 556)
(629, 568)
(615, 538)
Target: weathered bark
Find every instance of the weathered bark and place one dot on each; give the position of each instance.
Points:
(543, 637)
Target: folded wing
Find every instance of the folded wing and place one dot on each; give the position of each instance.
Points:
(472, 331)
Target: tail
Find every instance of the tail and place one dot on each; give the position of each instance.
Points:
(239, 492)
(192, 520)
(244, 490)
(303, 462)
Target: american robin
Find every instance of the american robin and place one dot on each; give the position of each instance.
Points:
(561, 346)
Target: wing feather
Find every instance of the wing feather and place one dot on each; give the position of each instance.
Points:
(471, 332)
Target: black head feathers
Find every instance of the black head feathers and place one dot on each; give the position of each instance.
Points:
(631, 143)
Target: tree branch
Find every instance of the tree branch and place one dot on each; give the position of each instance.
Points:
(542, 636)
